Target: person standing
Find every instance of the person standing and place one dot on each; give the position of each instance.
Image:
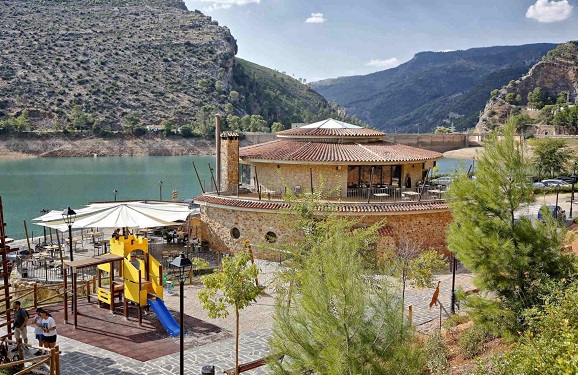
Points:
(48, 329)
(19, 326)
(38, 330)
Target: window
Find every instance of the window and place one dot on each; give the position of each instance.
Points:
(235, 233)
(271, 237)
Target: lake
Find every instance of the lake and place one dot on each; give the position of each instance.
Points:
(29, 185)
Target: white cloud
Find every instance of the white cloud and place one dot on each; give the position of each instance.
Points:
(388, 63)
(547, 11)
(226, 4)
(316, 18)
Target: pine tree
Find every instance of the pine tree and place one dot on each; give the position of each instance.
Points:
(515, 261)
(343, 320)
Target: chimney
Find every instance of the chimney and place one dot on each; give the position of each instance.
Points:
(218, 150)
(230, 161)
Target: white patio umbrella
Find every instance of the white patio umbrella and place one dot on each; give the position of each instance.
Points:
(119, 214)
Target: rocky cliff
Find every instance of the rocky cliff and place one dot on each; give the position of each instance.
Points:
(150, 59)
(556, 73)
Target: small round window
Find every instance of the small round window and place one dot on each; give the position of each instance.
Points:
(271, 237)
(235, 233)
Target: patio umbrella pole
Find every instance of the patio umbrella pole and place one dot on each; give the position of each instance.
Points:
(213, 178)
(60, 251)
(27, 238)
(198, 178)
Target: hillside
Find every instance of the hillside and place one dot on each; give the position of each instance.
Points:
(276, 96)
(540, 94)
(433, 88)
(120, 65)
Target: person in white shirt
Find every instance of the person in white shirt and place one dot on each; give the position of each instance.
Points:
(48, 329)
(38, 332)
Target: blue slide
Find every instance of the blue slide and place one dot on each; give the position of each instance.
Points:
(165, 316)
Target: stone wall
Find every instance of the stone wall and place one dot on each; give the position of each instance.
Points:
(229, 163)
(219, 225)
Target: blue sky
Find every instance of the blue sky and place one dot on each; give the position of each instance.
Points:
(315, 39)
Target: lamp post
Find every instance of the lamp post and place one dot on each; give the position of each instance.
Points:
(573, 182)
(69, 215)
(453, 298)
(160, 190)
(115, 192)
(44, 211)
(183, 264)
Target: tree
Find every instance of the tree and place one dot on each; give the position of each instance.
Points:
(130, 123)
(229, 108)
(551, 156)
(277, 127)
(410, 262)
(168, 127)
(442, 130)
(510, 98)
(186, 131)
(234, 122)
(536, 98)
(232, 286)
(513, 259)
(343, 320)
(80, 119)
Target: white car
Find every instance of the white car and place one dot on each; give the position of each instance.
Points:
(445, 181)
(555, 182)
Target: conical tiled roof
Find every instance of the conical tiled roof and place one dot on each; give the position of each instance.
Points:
(330, 128)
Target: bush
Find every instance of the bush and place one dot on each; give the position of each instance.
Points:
(456, 320)
(437, 351)
(472, 342)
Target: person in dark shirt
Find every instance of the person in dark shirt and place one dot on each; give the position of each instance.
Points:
(19, 325)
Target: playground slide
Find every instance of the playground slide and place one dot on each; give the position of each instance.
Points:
(164, 316)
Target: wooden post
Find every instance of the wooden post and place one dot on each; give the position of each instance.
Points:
(52, 361)
(138, 301)
(111, 287)
(410, 315)
(65, 271)
(35, 295)
(74, 297)
(57, 360)
(88, 290)
(99, 279)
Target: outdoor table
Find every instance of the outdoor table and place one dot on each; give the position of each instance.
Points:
(51, 249)
(381, 196)
(410, 194)
(438, 192)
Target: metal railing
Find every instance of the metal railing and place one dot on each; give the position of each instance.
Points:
(365, 194)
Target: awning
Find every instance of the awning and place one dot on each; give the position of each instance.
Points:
(135, 214)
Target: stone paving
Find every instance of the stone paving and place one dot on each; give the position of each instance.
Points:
(80, 358)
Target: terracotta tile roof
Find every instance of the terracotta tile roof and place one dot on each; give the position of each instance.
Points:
(229, 134)
(353, 208)
(330, 132)
(373, 152)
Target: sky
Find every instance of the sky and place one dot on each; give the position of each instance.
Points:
(318, 39)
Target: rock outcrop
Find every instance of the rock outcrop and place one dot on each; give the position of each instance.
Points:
(557, 72)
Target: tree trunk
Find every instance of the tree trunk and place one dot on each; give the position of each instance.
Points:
(236, 341)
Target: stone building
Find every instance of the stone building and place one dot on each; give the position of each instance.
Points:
(352, 168)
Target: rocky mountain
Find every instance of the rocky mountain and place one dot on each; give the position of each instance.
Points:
(433, 88)
(124, 64)
(538, 94)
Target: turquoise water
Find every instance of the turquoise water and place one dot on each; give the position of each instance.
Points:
(29, 185)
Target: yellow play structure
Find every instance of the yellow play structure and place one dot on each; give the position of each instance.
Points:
(142, 287)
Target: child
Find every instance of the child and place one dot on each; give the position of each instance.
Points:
(48, 329)
(37, 321)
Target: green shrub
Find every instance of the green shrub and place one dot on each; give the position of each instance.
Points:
(437, 351)
(456, 320)
(472, 342)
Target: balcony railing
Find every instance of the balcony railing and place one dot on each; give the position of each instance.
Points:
(378, 194)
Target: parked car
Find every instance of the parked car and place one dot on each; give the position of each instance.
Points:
(568, 179)
(556, 211)
(445, 181)
(539, 185)
(555, 182)
(15, 255)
